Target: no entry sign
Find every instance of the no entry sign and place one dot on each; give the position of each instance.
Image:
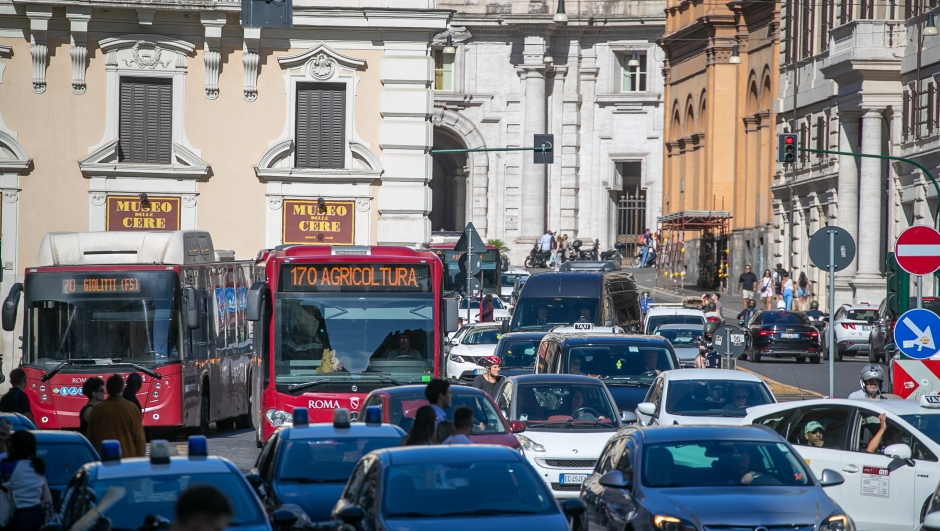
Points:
(918, 250)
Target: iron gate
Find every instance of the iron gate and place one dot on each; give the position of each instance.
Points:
(631, 221)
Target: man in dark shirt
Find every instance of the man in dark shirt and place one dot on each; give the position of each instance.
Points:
(16, 400)
(490, 380)
(746, 283)
(134, 382)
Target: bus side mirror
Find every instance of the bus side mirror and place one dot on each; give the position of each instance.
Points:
(450, 315)
(255, 301)
(10, 305)
(191, 308)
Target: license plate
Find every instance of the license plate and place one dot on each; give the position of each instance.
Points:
(865, 328)
(572, 479)
(479, 371)
(789, 336)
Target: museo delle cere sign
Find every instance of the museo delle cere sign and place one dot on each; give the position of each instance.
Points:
(305, 223)
(130, 213)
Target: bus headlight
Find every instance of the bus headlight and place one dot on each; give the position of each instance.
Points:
(279, 418)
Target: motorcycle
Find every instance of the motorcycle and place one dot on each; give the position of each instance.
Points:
(650, 261)
(579, 254)
(615, 253)
(537, 257)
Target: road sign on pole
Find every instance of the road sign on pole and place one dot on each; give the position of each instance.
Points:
(918, 250)
(913, 333)
(728, 342)
(832, 249)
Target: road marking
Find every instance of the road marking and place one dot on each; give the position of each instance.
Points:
(784, 392)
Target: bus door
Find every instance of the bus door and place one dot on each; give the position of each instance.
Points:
(196, 361)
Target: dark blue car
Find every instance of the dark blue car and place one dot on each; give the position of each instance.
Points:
(453, 487)
(518, 351)
(307, 466)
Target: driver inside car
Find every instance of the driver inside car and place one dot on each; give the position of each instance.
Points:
(404, 349)
(737, 466)
(650, 362)
(576, 403)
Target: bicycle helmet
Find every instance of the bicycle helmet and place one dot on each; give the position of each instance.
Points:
(489, 361)
(814, 305)
(871, 372)
(710, 327)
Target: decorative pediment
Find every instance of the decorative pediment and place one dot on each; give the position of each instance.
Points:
(12, 154)
(146, 52)
(321, 62)
(104, 161)
(275, 165)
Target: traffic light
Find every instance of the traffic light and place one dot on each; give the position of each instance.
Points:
(546, 153)
(786, 148)
(899, 286)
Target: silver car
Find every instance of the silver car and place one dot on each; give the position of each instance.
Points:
(684, 339)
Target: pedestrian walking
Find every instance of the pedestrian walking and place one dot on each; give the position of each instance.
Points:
(117, 419)
(463, 427)
(134, 382)
(802, 291)
(16, 400)
(545, 244)
(716, 298)
(787, 290)
(486, 309)
(444, 429)
(439, 397)
(93, 388)
(6, 429)
(25, 475)
(422, 431)
(202, 508)
(767, 289)
(746, 283)
(490, 380)
(645, 244)
(558, 251)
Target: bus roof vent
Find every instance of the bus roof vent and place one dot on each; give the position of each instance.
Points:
(362, 250)
(138, 247)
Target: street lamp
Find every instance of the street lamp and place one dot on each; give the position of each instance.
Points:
(547, 58)
(633, 60)
(735, 58)
(930, 30)
(449, 46)
(560, 16)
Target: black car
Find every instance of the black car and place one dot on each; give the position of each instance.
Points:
(518, 350)
(551, 299)
(782, 334)
(64, 452)
(882, 329)
(706, 477)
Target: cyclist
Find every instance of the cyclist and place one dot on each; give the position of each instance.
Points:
(870, 379)
(489, 381)
(707, 357)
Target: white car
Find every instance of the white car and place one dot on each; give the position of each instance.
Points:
(661, 314)
(852, 328)
(888, 489)
(464, 359)
(702, 396)
(507, 282)
(500, 313)
(563, 422)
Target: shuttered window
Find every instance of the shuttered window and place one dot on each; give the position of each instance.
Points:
(320, 135)
(146, 113)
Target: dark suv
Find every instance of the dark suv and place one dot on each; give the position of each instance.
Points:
(882, 330)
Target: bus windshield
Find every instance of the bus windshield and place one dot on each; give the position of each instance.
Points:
(332, 335)
(128, 315)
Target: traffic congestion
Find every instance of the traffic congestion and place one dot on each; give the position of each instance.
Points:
(381, 394)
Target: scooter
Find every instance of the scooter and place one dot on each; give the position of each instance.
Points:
(615, 253)
(580, 254)
(650, 260)
(537, 258)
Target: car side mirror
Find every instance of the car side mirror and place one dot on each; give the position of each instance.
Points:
(898, 451)
(830, 478)
(628, 417)
(450, 315)
(573, 507)
(350, 514)
(647, 408)
(615, 480)
(283, 519)
(931, 522)
(254, 480)
(891, 348)
(517, 426)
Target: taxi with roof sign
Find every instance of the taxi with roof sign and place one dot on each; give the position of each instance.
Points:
(304, 468)
(141, 492)
(891, 467)
(579, 327)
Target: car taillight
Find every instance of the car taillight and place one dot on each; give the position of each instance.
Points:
(813, 334)
(848, 326)
(766, 332)
(713, 319)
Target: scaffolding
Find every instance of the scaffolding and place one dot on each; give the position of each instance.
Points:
(714, 239)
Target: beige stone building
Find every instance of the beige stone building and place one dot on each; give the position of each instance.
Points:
(721, 82)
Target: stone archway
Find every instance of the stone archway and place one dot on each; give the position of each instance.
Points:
(460, 180)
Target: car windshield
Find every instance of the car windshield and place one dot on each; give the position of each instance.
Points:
(63, 459)
(325, 460)
(619, 361)
(442, 490)
(330, 335)
(86, 316)
(657, 320)
(861, 315)
(784, 318)
(715, 398)
(565, 406)
(475, 304)
(483, 336)
(680, 337)
(722, 464)
(157, 494)
(518, 353)
(486, 419)
(542, 313)
(509, 279)
(928, 424)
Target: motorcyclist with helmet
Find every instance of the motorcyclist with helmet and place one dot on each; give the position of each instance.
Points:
(489, 381)
(870, 379)
(748, 312)
(707, 358)
(813, 313)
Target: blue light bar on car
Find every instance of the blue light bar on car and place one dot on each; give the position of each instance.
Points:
(198, 446)
(110, 450)
(373, 415)
(341, 418)
(301, 416)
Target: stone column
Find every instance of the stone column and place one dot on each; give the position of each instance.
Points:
(869, 198)
(460, 198)
(848, 180)
(533, 175)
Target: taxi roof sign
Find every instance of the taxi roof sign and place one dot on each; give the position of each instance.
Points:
(930, 401)
(583, 326)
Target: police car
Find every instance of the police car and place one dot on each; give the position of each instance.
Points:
(890, 479)
(142, 492)
(305, 467)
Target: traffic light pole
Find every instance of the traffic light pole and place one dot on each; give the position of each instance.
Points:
(544, 148)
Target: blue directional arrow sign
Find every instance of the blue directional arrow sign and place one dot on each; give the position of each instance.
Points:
(914, 333)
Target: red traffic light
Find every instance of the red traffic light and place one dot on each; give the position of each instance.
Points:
(788, 139)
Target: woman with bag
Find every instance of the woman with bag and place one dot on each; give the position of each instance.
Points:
(24, 475)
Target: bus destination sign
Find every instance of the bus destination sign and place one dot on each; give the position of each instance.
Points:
(356, 277)
(72, 286)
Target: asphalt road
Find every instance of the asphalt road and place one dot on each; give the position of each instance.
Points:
(238, 446)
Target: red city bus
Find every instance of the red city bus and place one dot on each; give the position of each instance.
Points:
(334, 323)
(162, 304)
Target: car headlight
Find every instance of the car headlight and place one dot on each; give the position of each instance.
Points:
(457, 358)
(670, 523)
(528, 444)
(837, 522)
(279, 418)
